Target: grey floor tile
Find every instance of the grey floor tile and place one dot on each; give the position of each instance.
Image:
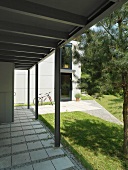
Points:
(54, 151)
(17, 121)
(4, 130)
(18, 133)
(23, 117)
(40, 130)
(18, 139)
(27, 127)
(15, 124)
(29, 132)
(4, 125)
(16, 128)
(5, 162)
(4, 135)
(26, 124)
(62, 163)
(20, 158)
(37, 126)
(31, 138)
(31, 117)
(37, 155)
(5, 142)
(5, 150)
(46, 165)
(29, 167)
(16, 118)
(30, 114)
(19, 115)
(35, 123)
(24, 120)
(34, 145)
(19, 148)
(44, 136)
(48, 143)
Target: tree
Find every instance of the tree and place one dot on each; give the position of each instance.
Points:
(104, 60)
(94, 54)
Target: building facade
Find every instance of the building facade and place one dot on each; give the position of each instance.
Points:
(69, 75)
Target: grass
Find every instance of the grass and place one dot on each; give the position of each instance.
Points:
(95, 142)
(20, 104)
(24, 104)
(113, 104)
(86, 97)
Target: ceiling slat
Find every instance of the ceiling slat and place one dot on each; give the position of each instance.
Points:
(23, 48)
(43, 12)
(18, 54)
(28, 41)
(32, 31)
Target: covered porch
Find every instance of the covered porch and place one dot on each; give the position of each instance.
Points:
(27, 144)
(30, 30)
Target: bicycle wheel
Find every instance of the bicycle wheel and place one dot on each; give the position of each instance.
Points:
(43, 99)
(50, 99)
(39, 100)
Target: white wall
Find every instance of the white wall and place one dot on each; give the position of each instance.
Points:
(20, 86)
(46, 80)
(45, 85)
(6, 92)
(75, 76)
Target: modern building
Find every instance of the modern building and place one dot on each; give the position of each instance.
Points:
(31, 30)
(70, 73)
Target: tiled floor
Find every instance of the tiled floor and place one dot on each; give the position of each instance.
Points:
(27, 145)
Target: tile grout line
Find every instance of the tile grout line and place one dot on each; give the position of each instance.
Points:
(29, 153)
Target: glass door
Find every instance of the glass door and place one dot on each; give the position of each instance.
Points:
(66, 86)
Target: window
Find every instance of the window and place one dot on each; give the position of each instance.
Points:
(66, 57)
(66, 86)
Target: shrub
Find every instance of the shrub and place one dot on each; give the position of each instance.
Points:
(77, 95)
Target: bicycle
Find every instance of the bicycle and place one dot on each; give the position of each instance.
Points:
(49, 97)
(42, 99)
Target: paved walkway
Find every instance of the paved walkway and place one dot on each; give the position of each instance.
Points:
(27, 144)
(89, 106)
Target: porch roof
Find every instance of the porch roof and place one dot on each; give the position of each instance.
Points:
(31, 29)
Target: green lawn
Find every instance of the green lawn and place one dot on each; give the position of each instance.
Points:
(95, 142)
(113, 104)
(24, 104)
(86, 97)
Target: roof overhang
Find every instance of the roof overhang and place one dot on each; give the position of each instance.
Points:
(31, 29)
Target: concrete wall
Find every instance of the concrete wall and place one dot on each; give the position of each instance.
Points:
(6, 92)
(46, 80)
(21, 86)
(45, 84)
(75, 76)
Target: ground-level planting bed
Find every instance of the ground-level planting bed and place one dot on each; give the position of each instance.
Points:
(95, 142)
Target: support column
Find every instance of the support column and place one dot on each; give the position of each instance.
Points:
(57, 97)
(6, 92)
(36, 91)
(28, 89)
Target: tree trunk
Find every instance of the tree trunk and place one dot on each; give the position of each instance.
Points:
(125, 114)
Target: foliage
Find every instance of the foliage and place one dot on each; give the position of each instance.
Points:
(77, 95)
(95, 142)
(103, 53)
(66, 56)
(104, 60)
